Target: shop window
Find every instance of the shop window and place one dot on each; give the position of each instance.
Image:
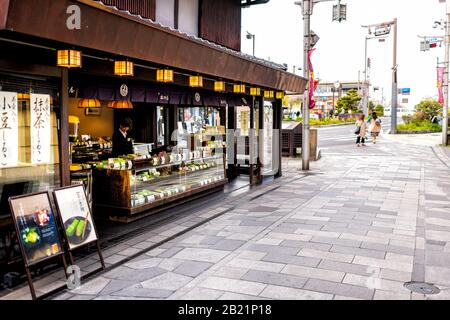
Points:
(33, 146)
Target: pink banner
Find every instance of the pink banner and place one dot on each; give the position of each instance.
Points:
(440, 84)
(312, 82)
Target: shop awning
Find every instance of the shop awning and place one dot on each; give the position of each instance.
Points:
(109, 30)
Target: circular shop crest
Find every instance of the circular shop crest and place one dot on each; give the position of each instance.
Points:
(124, 90)
(197, 97)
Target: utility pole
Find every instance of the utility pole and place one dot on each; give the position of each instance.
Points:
(366, 85)
(446, 72)
(394, 84)
(307, 11)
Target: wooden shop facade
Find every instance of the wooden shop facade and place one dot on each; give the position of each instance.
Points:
(202, 113)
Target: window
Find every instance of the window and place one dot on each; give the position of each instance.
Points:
(28, 174)
(188, 16)
(165, 12)
(179, 14)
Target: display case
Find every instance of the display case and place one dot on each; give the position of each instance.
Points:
(142, 185)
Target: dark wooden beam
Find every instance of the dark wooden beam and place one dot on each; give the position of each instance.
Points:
(64, 129)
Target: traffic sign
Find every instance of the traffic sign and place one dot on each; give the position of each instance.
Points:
(314, 38)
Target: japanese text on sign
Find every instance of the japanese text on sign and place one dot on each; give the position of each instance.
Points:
(40, 128)
(9, 129)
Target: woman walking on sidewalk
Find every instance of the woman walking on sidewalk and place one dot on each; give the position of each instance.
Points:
(375, 127)
(361, 130)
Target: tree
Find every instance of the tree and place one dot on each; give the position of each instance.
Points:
(348, 102)
(430, 108)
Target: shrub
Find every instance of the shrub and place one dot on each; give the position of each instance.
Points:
(425, 125)
(430, 108)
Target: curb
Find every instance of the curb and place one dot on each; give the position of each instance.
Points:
(441, 155)
(333, 125)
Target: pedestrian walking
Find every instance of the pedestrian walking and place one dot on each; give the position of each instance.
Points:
(360, 131)
(375, 127)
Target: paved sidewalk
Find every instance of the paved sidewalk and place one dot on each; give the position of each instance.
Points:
(360, 225)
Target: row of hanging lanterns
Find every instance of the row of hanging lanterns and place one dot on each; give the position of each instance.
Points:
(72, 59)
(95, 103)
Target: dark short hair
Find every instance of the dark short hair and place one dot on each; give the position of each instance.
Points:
(374, 116)
(126, 123)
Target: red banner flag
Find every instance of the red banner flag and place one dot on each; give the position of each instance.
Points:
(440, 84)
(312, 82)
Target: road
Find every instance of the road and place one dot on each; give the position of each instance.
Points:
(332, 138)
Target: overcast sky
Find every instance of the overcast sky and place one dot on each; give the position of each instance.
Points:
(339, 53)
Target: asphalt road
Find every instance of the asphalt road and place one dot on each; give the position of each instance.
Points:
(334, 137)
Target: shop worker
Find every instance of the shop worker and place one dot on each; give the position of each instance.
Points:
(122, 144)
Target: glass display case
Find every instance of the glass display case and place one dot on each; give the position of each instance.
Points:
(126, 187)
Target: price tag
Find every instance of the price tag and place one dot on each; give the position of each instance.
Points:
(161, 195)
(151, 198)
(177, 190)
(130, 164)
(169, 193)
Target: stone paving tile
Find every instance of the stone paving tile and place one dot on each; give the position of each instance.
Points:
(305, 244)
(284, 293)
(290, 259)
(233, 285)
(325, 255)
(231, 272)
(128, 274)
(238, 296)
(138, 292)
(201, 254)
(256, 265)
(344, 267)
(387, 295)
(273, 249)
(167, 281)
(375, 283)
(192, 268)
(92, 287)
(274, 278)
(339, 289)
(315, 273)
(202, 294)
(114, 286)
(228, 244)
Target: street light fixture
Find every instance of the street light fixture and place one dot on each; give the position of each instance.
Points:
(250, 37)
(383, 29)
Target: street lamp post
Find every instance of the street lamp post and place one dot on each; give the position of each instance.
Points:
(383, 29)
(446, 72)
(252, 37)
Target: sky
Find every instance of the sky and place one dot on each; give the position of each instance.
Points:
(339, 54)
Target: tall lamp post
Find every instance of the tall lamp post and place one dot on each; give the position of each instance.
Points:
(366, 85)
(252, 37)
(383, 29)
(339, 14)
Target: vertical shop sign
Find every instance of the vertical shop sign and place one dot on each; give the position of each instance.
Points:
(40, 128)
(9, 129)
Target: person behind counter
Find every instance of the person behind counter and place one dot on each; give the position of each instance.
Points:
(122, 144)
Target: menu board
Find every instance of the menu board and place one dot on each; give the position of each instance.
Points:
(36, 227)
(40, 128)
(9, 129)
(75, 215)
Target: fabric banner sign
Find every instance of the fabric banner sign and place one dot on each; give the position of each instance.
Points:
(40, 128)
(440, 84)
(9, 129)
(312, 82)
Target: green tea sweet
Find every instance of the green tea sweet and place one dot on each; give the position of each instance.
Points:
(71, 228)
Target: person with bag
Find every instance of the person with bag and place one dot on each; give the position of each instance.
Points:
(360, 131)
(375, 127)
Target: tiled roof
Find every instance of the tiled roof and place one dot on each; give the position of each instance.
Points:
(242, 55)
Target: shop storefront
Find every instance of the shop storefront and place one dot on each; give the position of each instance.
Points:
(196, 124)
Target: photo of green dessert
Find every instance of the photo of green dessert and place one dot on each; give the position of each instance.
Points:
(75, 227)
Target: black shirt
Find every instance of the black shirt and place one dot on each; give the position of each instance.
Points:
(121, 145)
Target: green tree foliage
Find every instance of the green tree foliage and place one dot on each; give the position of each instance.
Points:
(348, 102)
(430, 108)
(379, 109)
